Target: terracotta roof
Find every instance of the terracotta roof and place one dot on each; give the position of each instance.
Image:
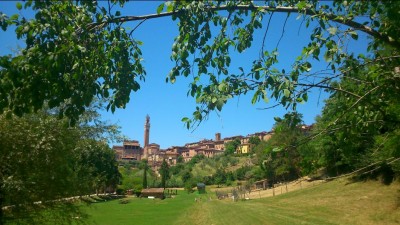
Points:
(117, 147)
(171, 153)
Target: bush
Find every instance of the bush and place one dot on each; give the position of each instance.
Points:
(175, 181)
(189, 185)
(120, 191)
(228, 182)
(208, 180)
(124, 201)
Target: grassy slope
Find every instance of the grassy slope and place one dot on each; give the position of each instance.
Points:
(336, 202)
(206, 169)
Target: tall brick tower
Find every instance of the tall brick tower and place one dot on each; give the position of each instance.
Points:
(146, 136)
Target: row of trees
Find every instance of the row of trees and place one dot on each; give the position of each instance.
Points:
(361, 127)
(138, 175)
(44, 160)
(360, 139)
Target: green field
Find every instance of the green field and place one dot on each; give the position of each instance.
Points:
(335, 202)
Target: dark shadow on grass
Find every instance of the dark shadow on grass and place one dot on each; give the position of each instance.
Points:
(47, 213)
(382, 172)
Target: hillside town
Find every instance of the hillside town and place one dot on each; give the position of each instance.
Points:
(130, 150)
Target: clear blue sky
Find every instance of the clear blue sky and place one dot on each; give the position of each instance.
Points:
(168, 103)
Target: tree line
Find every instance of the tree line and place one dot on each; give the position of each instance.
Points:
(44, 161)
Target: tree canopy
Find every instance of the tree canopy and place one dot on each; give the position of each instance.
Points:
(164, 173)
(44, 161)
(78, 50)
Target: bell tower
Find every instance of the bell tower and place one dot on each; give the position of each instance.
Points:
(146, 136)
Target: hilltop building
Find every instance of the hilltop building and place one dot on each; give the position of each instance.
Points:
(131, 149)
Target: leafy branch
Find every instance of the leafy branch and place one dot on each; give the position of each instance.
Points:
(278, 9)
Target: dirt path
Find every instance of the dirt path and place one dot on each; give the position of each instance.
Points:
(284, 188)
(277, 190)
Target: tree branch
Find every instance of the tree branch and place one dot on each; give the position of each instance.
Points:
(265, 36)
(328, 88)
(350, 23)
(283, 31)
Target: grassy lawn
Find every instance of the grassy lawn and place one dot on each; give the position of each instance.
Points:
(140, 210)
(336, 202)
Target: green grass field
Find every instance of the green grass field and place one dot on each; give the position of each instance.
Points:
(335, 202)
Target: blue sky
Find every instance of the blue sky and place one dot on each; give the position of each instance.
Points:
(168, 103)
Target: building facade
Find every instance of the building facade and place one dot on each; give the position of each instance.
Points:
(131, 149)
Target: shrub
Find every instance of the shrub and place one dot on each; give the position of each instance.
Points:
(124, 201)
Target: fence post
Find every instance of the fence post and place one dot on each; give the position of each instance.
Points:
(273, 190)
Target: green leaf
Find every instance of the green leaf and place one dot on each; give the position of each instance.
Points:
(277, 149)
(19, 5)
(308, 66)
(354, 35)
(28, 4)
(305, 97)
(170, 6)
(222, 87)
(300, 100)
(220, 103)
(160, 8)
(322, 23)
(286, 92)
(255, 97)
(14, 17)
(332, 30)
(328, 57)
(265, 97)
(301, 5)
(75, 66)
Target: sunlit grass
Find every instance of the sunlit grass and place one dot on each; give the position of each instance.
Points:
(336, 202)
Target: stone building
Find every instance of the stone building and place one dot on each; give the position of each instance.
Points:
(131, 149)
(245, 145)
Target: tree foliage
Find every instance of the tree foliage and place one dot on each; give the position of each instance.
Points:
(232, 146)
(254, 141)
(357, 131)
(44, 160)
(78, 50)
(66, 62)
(145, 167)
(214, 84)
(281, 157)
(164, 172)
